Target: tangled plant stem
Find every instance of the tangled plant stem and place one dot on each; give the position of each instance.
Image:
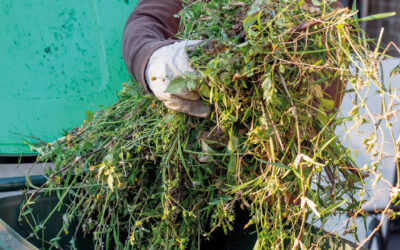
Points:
(273, 73)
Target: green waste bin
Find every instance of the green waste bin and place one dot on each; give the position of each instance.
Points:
(9, 239)
(9, 211)
(58, 59)
(238, 239)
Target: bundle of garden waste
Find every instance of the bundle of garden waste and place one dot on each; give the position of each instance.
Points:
(137, 175)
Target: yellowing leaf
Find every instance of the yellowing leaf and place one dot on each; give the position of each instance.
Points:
(339, 26)
(317, 90)
(269, 89)
(110, 182)
(319, 62)
(282, 69)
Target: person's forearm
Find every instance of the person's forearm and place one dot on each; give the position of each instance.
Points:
(150, 26)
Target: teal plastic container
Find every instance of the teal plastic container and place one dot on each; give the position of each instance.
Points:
(59, 58)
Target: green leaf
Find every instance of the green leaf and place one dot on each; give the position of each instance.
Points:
(218, 200)
(248, 22)
(354, 7)
(180, 84)
(327, 104)
(321, 116)
(324, 146)
(89, 116)
(197, 8)
(275, 164)
(316, 2)
(334, 206)
(375, 17)
(27, 211)
(204, 90)
(256, 6)
(395, 71)
(232, 165)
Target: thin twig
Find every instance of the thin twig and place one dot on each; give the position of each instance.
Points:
(51, 178)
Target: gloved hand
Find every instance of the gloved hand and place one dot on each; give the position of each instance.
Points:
(165, 64)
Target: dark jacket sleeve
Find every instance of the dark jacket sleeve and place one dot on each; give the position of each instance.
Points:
(150, 26)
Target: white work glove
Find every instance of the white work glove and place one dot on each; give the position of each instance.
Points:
(165, 64)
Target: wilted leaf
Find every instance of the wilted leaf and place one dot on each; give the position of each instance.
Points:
(110, 182)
